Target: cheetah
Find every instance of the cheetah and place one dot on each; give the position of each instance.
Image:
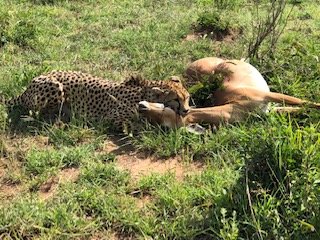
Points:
(96, 98)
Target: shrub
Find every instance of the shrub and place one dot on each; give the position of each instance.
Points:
(22, 33)
(212, 22)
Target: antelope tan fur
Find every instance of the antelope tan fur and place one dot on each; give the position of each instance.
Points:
(243, 91)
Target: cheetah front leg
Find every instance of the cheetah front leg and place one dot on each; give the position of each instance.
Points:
(122, 119)
(60, 112)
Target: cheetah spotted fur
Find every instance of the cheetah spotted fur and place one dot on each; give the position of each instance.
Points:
(97, 98)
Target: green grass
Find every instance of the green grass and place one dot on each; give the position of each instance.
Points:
(260, 178)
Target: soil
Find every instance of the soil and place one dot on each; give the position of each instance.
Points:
(140, 164)
(228, 35)
(48, 189)
(128, 158)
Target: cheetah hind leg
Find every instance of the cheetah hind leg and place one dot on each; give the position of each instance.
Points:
(46, 96)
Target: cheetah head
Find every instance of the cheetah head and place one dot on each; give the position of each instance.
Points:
(173, 95)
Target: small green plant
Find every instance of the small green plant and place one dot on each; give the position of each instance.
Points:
(153, 182)
(229, 230)
(165, 143)
(4, 23)
(38, 162)
(101, 174)
(69, 135)
(202, 91)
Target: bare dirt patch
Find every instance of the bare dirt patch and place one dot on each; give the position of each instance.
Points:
(141, 164)
(143, 201)
(8, 188)
(227, 35)
(17, 146)
(9, 191)
(48, 189)
(13, 150)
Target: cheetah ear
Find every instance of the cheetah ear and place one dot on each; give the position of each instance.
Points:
(134, 80)
(175, 79)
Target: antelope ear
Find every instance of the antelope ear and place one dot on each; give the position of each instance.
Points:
(175, 79)
(159, 91)
(195, 129)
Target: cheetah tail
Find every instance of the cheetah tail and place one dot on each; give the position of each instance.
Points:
(12, 102)
(2, 99)
(9, 102)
